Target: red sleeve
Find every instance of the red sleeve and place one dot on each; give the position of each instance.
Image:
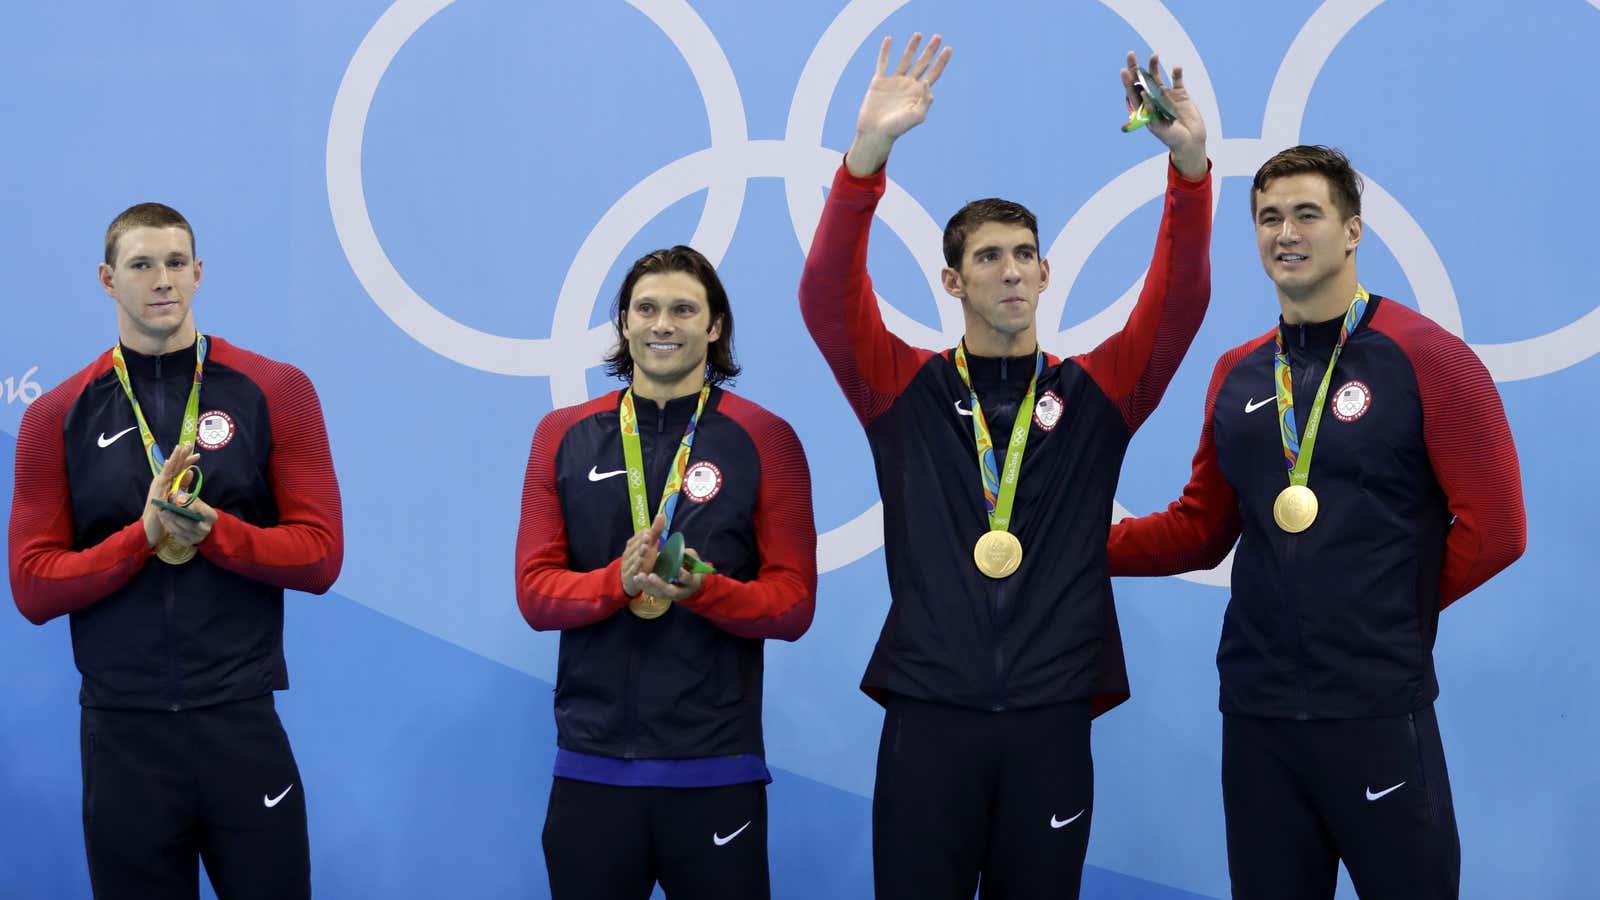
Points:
(872, 365)
(1470, 448)
(48, 577)
(781, 599)
(305, 550)
(550, 594)
(1198, 529)
(1134, 365)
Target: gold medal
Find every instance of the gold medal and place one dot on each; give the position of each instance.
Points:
(647, 606)
(997, 553)
(1295, 509)
(173, 553)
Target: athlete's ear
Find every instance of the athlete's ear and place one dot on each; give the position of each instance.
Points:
(1044, 274)
(1352, 234)
(714, 333)
(199, 268)
(103, 275)
(953, 285)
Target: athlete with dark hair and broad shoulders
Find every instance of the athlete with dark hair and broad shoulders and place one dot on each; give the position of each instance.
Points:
(660, 772)
(1001, 641)
(166, 496)
(1402, 494)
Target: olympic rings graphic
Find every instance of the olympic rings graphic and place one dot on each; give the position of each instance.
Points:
(806, 167)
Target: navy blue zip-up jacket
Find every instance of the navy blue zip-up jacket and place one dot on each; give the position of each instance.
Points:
(687, 684)
(1048, 633)
(1420, 498)
(147, 635)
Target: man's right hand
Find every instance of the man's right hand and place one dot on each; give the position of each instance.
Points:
(183, 456)
(895, 103)
(639, 556)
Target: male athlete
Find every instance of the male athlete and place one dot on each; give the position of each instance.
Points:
(997, 463)
(1360, 455)
(660, 775)
(166, 496)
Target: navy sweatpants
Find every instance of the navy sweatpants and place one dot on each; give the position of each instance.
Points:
(163, 791)
(967, 800)
(1300, 796)
(603, 842)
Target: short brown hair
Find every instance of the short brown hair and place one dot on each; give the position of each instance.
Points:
(720, 366)
(1344, 185)
(969, 217)
(144, 215)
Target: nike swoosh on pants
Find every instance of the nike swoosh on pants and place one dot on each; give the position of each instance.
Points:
(273, 801)
(719, 840)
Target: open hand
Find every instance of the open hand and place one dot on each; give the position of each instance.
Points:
(183, 456)
(896, 102)
(1184, 136)
(639, 556)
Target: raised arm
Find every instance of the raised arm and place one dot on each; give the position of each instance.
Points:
(1134, 366)
(871, 365)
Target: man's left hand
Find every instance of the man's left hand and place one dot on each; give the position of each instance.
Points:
(185, 530)
(688, 582)
(1185, 136)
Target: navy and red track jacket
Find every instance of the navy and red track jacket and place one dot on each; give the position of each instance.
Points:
(1047, 634)
(687, 684)
(1420, 500)
(147, 635)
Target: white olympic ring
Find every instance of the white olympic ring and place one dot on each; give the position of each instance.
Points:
(806, 166)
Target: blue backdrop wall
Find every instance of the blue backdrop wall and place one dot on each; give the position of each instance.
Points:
(427, 205)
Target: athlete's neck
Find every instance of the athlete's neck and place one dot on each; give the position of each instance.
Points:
(140, 341)
(662, 391)
(1329, 300)
(985, 341)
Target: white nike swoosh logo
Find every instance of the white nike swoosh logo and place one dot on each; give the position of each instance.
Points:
(1252, 407)
(108, 441)
(1058, 823)
(274, 801)
(719, 840)
(1385, 792)
(602, 476)
(962, 411)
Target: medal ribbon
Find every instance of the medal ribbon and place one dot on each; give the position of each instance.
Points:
(999, 492)
(1297, 450)
(191, 416)
(633, 459)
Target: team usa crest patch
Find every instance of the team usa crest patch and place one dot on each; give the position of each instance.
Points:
(215, 430)
(1047, 411)
(1351, 401)
(702, 481)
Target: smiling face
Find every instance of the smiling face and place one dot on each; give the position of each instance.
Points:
(1307, 245)
(153, 278)
(999, 282)
(667, 327)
